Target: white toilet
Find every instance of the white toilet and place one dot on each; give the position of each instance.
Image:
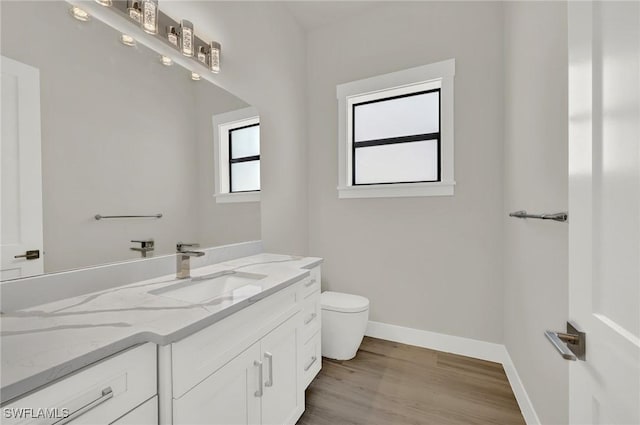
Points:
(344, 320)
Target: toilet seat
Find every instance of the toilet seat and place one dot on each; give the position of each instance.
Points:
(343, 303)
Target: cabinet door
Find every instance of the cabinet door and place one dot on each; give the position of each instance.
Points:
(145, 414)
(227, 397)
(283, 399)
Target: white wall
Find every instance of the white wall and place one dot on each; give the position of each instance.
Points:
(431, 263)
(121, 134)
(264, 62)
(536, 179)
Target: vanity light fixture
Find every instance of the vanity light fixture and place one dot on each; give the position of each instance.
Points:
(150, 16)
(133, 9)
(127, 40)
(186, 37)
(80, 14)
(214, 56)
(195, 76)
(107, 3)
(172, 36)
(166, 60)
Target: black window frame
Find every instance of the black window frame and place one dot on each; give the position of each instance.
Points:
(395, 140)
(241, 159)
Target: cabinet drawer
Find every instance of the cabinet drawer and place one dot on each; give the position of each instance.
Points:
(201, 354)
(97, 394)
(311, 359)
(311, 315)
(311, 284)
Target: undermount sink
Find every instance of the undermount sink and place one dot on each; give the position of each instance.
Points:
(201, 289)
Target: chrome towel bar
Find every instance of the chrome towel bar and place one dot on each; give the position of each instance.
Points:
(100, 217)
(561, 216)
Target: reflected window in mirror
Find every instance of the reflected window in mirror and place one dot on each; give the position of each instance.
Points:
(244, 158)
(237, 145)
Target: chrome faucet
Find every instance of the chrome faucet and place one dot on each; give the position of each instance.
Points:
(183, 259)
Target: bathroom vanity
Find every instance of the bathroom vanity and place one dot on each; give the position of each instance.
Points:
(238, 343)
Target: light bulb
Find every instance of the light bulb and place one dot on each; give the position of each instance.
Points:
(166, 60)
(80, 14)
(127, 40)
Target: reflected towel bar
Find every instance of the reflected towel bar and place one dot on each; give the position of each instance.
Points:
(561, 216)
(100, 217)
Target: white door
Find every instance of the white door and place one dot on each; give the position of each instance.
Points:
(228, 397)
(604, 207)
(283, 398)
(21, 207)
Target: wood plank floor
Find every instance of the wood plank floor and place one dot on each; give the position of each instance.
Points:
(391, 383)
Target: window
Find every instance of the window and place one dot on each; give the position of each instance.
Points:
(244, 158)
(396, 134)
(237, 147)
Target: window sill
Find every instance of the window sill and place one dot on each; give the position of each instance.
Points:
(229, 198)
(400, 190)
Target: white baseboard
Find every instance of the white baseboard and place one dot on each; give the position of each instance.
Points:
(526, 407)
(437, 341)
(465, 347)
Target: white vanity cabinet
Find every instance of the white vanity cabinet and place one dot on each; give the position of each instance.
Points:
(249, 368)
(120, 389)
(259, 386)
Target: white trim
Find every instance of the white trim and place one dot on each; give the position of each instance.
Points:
(465, 347)
(436, 341)
(399, 190)
(228, 198)
(524, 402)
(439, 74)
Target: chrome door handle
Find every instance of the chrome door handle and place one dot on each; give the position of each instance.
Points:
(269, 357)
(29, 255)
(311, 282)
(571, 344)
(313, 360)
(107, 393)
(258, 393)
(310, 319)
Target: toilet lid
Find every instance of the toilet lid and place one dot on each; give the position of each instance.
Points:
(343, 303)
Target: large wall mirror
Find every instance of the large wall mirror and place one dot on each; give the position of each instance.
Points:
(91, 126)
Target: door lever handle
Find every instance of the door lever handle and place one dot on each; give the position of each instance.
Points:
(29, 255)
(571, 344)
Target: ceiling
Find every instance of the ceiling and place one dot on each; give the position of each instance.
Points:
(314, 14)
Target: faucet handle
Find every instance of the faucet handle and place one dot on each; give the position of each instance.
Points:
(145, 243)
(181, 245)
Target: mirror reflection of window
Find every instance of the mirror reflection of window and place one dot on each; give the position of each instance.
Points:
(244, 158)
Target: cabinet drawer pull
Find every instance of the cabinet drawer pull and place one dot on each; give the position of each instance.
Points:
(269, 357)
(310, 318)
(107, 393)
(313, 360)
(258, 393)
(311, 282)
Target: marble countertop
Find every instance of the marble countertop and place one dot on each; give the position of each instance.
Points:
(43, 343)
